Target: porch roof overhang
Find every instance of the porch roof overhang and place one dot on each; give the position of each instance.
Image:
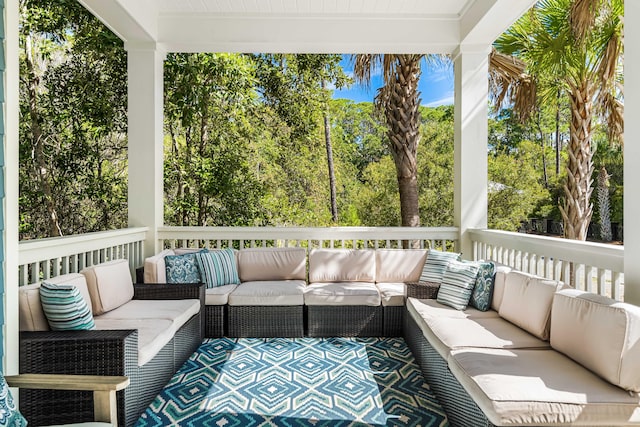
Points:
(309, 26)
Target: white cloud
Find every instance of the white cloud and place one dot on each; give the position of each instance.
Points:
(446, 100)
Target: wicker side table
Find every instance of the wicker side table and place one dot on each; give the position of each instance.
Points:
(422, 290)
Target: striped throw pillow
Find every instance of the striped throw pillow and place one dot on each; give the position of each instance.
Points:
(436, 264)
(457, 284)
(65, 308)
(218, 267)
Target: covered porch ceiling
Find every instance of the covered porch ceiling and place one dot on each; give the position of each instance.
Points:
(309, 26)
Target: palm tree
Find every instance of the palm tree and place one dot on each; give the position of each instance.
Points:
(575, 47)
(399, 101)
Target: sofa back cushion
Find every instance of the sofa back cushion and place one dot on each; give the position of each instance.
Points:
(342, 265)
(110, 285)
(498, 285)
(259, 264)
(31, 315)
(399, 265)
(155, 267)
(601, 334)
(526, 302)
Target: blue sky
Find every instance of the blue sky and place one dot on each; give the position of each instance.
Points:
(436, 85)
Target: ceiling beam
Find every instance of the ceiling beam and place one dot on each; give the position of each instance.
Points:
(306, 34)
(133, 21)
(485, 20)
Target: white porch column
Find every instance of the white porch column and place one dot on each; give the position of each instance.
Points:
(470, 142)
(632, 153)
(145, 107)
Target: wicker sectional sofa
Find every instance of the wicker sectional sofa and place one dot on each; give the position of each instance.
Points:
(143, 332)
(542, 355)
(292, 292)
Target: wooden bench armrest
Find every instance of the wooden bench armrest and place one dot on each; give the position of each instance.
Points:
(104, 389)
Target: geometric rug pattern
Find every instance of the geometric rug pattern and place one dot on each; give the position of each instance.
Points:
(318, 382)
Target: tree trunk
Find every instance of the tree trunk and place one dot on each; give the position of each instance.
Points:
(332, 175)
(558, 134)
(41, 168)
(604, 207)
(577, 209)
(544, 157)
(403, 118)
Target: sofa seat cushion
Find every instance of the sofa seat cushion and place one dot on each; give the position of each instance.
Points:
(431, 308)
(176, 311)
(267, 292)
(153, 334)
(257, 264)
(392, 294)
(446, 334)
(218, 295)
(540, 387)
(342, 293)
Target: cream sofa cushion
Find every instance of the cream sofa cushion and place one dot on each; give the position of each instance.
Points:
(449, 333)
(342, 293)
(153, 334)
(431, 308)
(109, 284)
(218, 295)
(155, 269)
(601, 334)
(539, 387)
(31, 316)
(276, 292)
(399, 265)
(177, 311)
(342, 265)
(527, 302)
(498, 285)
(258, 264)
(392, 294)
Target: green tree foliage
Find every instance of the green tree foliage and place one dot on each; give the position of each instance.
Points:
(72, 122)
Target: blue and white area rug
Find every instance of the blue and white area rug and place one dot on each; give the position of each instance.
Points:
(297, 382)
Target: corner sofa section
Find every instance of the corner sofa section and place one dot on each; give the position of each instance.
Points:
(144, 332)
(543, 354)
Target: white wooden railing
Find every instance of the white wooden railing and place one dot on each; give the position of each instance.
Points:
(44, 258)
(309, 237)
(596, 267)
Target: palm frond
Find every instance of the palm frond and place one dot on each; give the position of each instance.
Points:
(582, 17)
(611, 109)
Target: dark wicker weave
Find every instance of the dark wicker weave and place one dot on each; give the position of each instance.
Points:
(103, 352)
(461, 410)
(77, 352)
(344, 321)
(422, 290)
(392, 326)
(215, 317)
(266, 321)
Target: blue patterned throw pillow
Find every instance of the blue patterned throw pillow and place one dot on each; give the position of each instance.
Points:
(457, 284)
(182, 268)
(9, 414)
(65, 308)
(483, 289)
(436, 264)
(218, 267)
